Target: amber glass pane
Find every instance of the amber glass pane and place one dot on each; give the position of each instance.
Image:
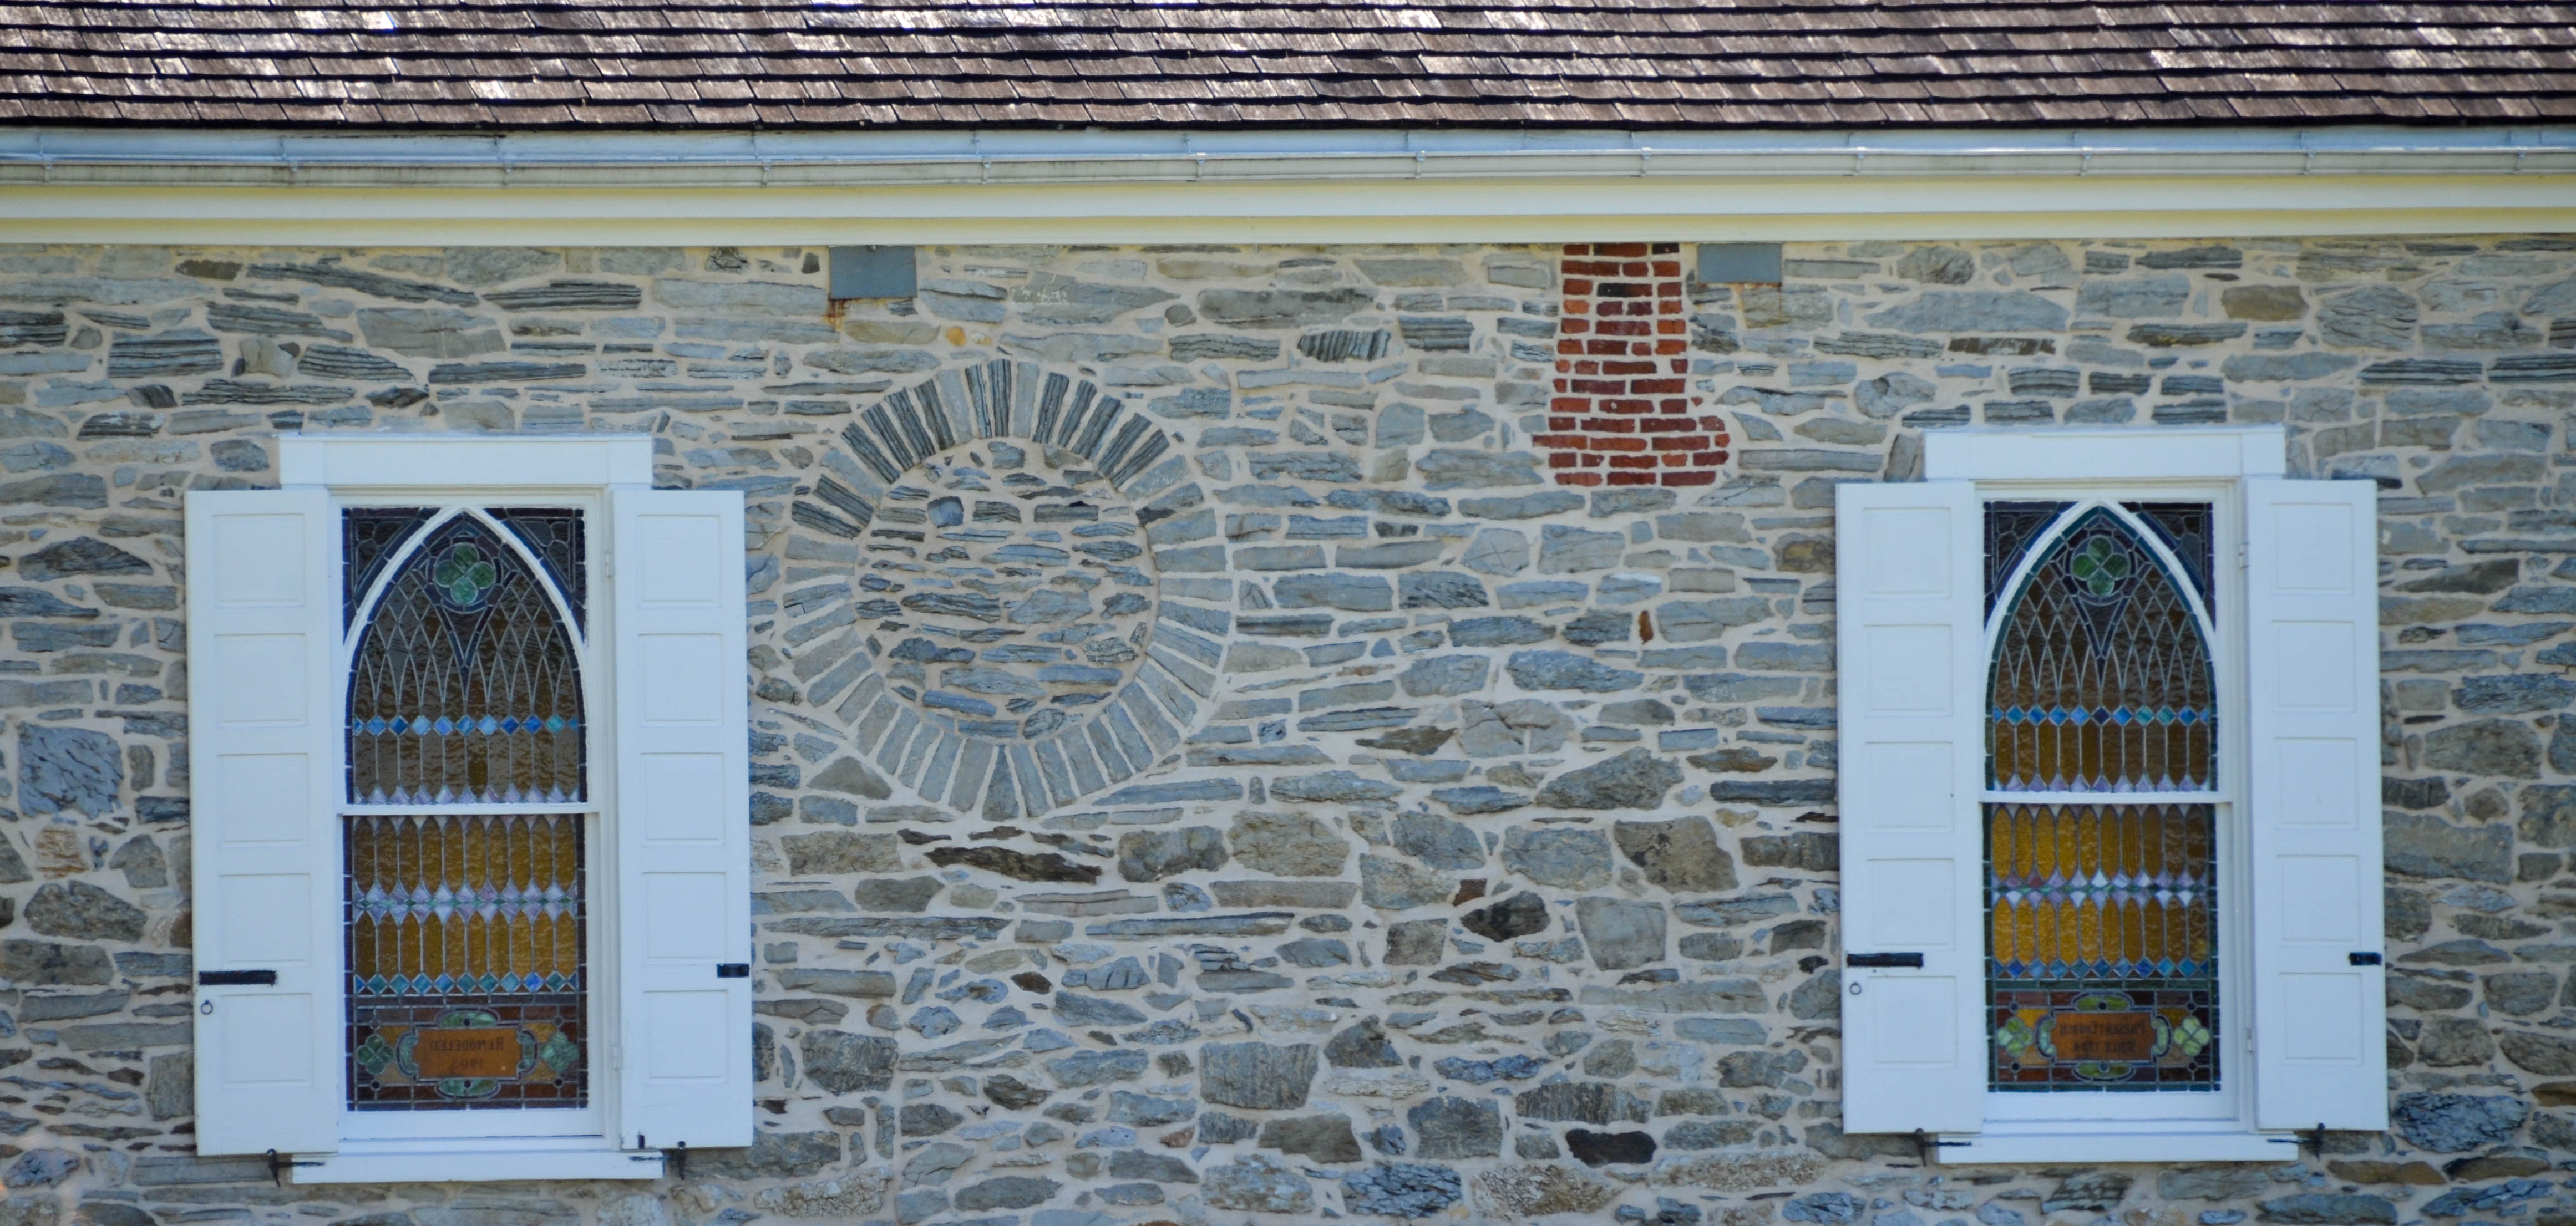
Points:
(466, 939)
(2102, 946)
(2101, 679)
(465, 688)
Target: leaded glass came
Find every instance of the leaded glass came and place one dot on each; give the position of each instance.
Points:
(466, 953)
(465, 687)
(2102, 966)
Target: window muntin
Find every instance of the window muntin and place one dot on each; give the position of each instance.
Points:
(466, 933)
(2102, 917)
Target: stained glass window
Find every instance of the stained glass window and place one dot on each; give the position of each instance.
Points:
(465, 688)
(466, 940)
(2102, 942)
(2101, 677)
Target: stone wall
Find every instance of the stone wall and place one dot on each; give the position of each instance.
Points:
(1475, 850)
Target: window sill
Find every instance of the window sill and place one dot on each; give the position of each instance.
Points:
(2057, 1143)
(474, 1161)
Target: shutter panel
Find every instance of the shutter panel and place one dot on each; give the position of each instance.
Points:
(1910, 678)
(682, 818)
(2312, 652)
(1909, 600)
(263, 715)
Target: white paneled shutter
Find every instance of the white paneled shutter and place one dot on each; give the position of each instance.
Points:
(264, 726)
(2313, 664)
(682, 819)
(1908, 598)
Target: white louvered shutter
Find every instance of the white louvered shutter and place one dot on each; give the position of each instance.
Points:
(2312, 616)
(682, 819)
(1908, 600)
(263, 718)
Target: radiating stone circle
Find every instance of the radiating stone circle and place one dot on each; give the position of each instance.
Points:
(1032, 596)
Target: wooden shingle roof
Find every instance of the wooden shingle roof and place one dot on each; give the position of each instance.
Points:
(681, 64)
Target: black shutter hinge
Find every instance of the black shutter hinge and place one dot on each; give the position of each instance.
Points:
(2309, 1140)
(277, 1163)
(2363, 959)
(236, 979)
(1929, 1147)
(1913, 961)
(675, 1160)
(733, 970)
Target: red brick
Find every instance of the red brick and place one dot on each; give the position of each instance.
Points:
(1562, 442)
(1600, 387)
(1617, 348)
(1598, 424)
(1569, 404)
(1669, 425)
(1621, 327)
(1668, 268)
(1621, 444)
(1622, 250)
(1690, 478)
(1578, 478)
(1632, 461)
(1627, 368)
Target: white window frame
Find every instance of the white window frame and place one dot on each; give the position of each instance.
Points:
(1895, 598)
(643, 967)
(2052, 1115)
(594, 663)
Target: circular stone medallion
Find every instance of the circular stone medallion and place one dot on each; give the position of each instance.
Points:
(1032, 596)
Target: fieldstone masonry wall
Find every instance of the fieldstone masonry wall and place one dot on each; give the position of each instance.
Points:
(1475, 851)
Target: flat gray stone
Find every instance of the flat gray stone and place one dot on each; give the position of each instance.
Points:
(1152, 855)
(1286, 846)
(62, 770)
(1438, 842)
(1678, 855)
(1619, 933)
(1456, 1128)
(1257, 1183)
(1255, 1076)
(1565, 856)
(1321, 1138)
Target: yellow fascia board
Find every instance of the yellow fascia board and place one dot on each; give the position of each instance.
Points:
(1588, 208)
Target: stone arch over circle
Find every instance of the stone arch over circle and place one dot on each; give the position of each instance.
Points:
(959, 759)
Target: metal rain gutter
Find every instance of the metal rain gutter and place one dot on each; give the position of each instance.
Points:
(71, 157)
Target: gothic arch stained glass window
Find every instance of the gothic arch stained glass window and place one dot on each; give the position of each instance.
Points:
(466, 932)
(465, 687)
(2102, 750)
